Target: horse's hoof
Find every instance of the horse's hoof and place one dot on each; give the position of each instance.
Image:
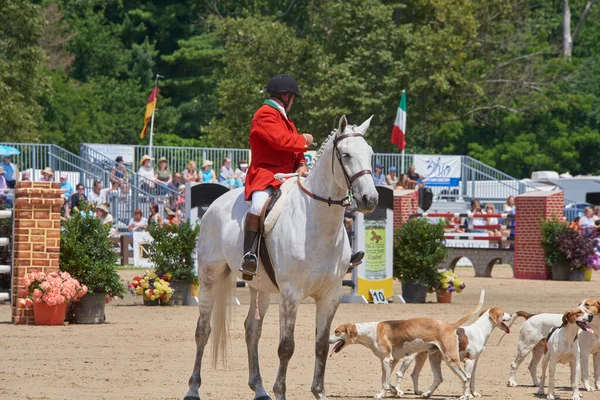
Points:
(263, 398)
(191, 398)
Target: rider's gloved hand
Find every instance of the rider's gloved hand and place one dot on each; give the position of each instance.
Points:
(309, 139)
(302, 171)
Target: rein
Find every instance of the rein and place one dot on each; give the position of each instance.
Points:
(346, 201)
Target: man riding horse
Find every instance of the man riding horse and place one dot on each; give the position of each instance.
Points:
(276, 147)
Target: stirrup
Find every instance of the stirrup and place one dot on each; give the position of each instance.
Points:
(248, 259)
(355, 260)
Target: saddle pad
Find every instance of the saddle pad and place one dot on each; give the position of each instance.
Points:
(273, 216)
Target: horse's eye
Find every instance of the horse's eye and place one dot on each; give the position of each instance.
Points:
(346, 155)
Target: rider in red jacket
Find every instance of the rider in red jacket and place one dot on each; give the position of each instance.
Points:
(276, 147)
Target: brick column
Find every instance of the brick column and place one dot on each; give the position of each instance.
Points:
(37, 237)
(406, 202)
(532, 207)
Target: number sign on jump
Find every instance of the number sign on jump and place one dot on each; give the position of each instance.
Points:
(378, 296)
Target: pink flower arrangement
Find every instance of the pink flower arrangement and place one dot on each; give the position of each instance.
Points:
(53, 289)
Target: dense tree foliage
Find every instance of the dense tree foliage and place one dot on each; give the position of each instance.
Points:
(505, 81)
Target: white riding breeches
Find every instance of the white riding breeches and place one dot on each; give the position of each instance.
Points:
(259, 198)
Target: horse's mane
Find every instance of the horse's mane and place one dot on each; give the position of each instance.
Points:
(323, 146)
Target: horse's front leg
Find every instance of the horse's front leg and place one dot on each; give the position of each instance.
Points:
(326, 309)
(288, 309)
(253, 331)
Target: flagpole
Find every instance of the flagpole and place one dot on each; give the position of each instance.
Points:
(152, 120)
(402, 170)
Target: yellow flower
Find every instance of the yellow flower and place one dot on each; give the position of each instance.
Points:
(145, 285)
(139, 290)
(169, 276)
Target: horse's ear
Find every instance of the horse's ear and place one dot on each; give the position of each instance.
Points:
(342, 126)
(365, 125)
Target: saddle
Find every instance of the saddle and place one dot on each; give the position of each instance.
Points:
(268, 217)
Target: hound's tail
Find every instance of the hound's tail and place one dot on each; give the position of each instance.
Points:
(475, 310)
(516, 315)
(221, 318)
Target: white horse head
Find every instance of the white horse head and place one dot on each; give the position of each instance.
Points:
(353, 171)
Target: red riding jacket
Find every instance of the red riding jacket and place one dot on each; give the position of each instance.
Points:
(276, 147)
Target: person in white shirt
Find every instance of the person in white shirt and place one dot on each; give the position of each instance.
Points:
(98, 195)
(241, 171)
(146, 173)
(509, 205)
(490, 209)
(477, 220)
(137, 223)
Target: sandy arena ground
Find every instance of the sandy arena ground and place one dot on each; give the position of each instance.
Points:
(148, 352)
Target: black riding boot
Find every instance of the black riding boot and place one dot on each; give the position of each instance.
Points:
(249, 263)
(355, 259)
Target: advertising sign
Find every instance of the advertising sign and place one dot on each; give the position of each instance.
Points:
(310, 157)
(375, 257)
(438, 170)
(141, 250)
(112, 151)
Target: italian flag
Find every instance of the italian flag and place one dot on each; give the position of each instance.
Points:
(399, 129)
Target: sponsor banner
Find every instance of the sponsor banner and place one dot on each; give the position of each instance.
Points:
(310, 157)
(142, 242)
(438, 170)
(112, 151)
(375, 257)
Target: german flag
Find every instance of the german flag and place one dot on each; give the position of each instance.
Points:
(150, 107)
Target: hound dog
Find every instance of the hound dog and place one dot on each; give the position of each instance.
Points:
(472, 340)
(536, 329)
(562, 347)
(393, 340)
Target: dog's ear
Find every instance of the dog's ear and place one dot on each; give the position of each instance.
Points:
(495, 314)
(483, 312)
(351, 332)
(569, 317)
(594, 307)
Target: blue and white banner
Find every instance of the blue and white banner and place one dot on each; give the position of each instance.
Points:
(438, 170)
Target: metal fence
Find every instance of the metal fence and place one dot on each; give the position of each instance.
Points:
(180, 156)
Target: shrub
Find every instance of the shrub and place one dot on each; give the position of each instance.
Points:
(551, 230)
(172, 250)
(87, 253)
(418, 250)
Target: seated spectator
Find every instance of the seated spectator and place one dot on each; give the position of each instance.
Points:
(207, 175)
(190, 174)
(227, 177)
(477, 221)
(155, 216)
(65, 211)
(77, 197)
(509, 204)
(490, 209)
(138, 223)
(241, 171)
(47, 175)
(414, 179)
(11, 171)
(378, 176)
(163, 175)
(98, 195)
(172, 218)
(26, 176)
(3, 186)
(391, 178)
(596, 215)
(575, 224)
(66, 186)
(181, 197)
(453, 224)
(103, 215)
(587, 223)
(146, 174)
(118, 175)
(402, 182)
(174, 187)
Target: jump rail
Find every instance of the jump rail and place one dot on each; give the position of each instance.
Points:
(5, 269)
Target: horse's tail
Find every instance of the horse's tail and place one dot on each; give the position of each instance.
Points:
(221, 318)
(477, 308)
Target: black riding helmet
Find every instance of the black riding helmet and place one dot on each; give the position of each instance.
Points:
(283, 83)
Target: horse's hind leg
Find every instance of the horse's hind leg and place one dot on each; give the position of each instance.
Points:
(206, 301)
(288, 309)
(326, 309)
(253, 331)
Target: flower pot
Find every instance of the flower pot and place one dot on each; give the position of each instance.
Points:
(49, 315)
(588, 275)
(90, 309)
(577, 275)
(181, 290)
(443, 296)
(195, 289)
(414, 292)
(560, 272)
(150, 302)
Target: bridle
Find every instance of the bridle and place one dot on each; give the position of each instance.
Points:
(349, 198)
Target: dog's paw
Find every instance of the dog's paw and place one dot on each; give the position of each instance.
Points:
(399, 393)
(466, 397)
(380, 395)
(550, 397)
(540, 392)
(588, 387)
(476, 394)
(576, 396)
(426, 394)
(598, 385)
(418, 392)
(512, 383)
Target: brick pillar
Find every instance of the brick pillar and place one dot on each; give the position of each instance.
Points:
(37, 237)
(406, 202)
(532, 207)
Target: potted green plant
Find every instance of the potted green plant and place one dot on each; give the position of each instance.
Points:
(172, 253)
(418, 250)
(87, 253)
(567, 252)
